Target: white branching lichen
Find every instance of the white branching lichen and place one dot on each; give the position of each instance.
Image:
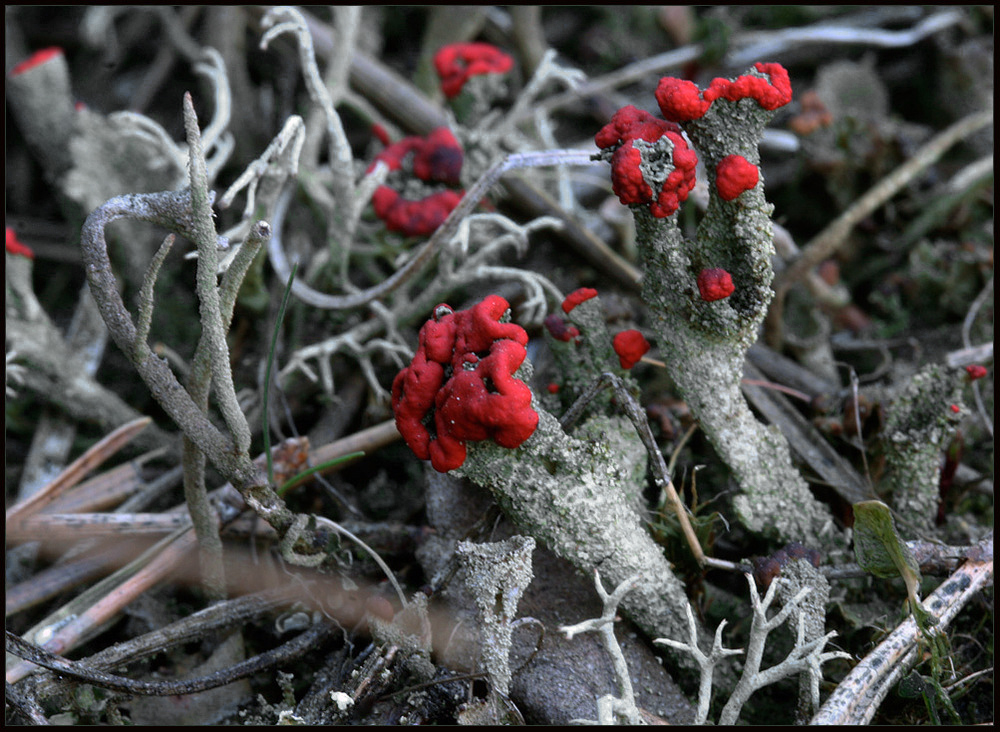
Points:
(610, 709)
(806, 657)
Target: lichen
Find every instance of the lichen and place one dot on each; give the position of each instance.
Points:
(577, 496)
(497, 575)
(918, 426)
(704, 343)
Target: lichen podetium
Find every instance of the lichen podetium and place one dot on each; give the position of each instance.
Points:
(704, 339)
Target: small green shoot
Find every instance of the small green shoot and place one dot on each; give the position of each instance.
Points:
(267, 374)
(292, 482)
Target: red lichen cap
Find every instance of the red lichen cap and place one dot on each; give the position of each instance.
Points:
(435, 158)
(576, 297)
(681, 101)
(456, 63)
(414, 218)
(975, 371)
(679, 183)
(381, 134)
(439, 158)
(15, 247)
(630, 345)
(461, 381)
(733, 175)
(560, 329)
(628, 125)
(394, 154)
(626, 176)
(36, 59)
(715, 284)
(769, 94)
(631, 123)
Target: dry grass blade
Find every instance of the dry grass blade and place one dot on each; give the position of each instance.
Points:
(113, 594)
(105, 490)
(78, 526)
(90, 460)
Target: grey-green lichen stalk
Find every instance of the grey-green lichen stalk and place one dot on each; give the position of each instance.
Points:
(577, 496)
(463, 403)
(705, 327)
(921, 422)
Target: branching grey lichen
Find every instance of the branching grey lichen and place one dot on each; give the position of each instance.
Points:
(187, 213)
(610, 708)
(806, 656)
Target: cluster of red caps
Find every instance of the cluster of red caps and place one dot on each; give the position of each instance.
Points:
(630, 345)
(456, 63)
(436, 158)
(461, 387)
(682, 101)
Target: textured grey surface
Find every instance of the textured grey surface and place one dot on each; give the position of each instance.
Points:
(564, 678)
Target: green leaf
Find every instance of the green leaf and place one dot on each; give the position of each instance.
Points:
(877, 546)
(880, 551)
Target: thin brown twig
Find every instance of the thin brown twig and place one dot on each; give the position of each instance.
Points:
(638, 418)
(106, 489)
(366, 441)
(61, 577)
(294, 648)
(195, 627)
